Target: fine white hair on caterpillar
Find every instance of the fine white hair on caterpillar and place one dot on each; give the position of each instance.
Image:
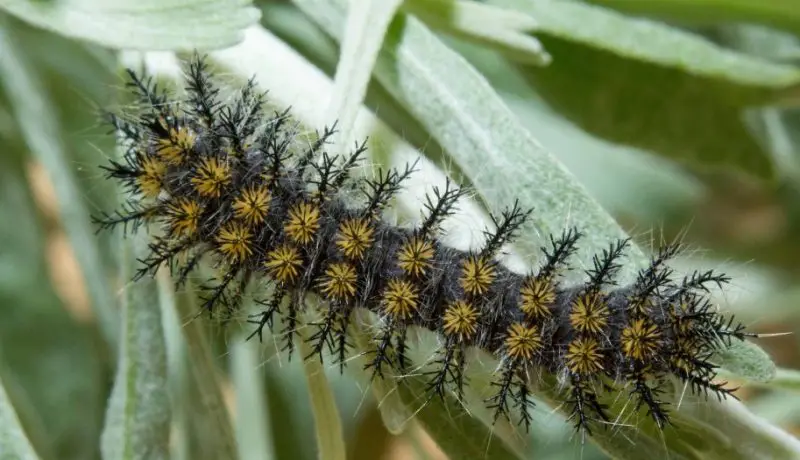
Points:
(225, 180)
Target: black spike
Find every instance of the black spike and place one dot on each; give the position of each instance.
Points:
(440, 207)
(382, 189)
(605, 266)
(203, 94)
(505, 229)
(265, 317)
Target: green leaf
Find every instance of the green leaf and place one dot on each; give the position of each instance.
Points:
(785, 379)
(29, 421)
(182, 391)
(200, 416)
(302, 35)
(14, 445)
(252, 424)
(733, 432)
(327, 423)
(503, 29)
(778, 133)
(747, 360)
(645, 84)
(290, 412)
(207, 414)
(460, 437)
(137, 24)
(366, 26)
(778, 13)
(776, 407)
(761, 41)
(463, 429)
(41, 131)
(394, 413)
(625, 181)
(138, 415)
(652, 42)
(788, 379)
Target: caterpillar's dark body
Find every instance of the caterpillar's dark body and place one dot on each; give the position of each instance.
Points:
(229, 181)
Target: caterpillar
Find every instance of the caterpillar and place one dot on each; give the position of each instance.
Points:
(229, 181)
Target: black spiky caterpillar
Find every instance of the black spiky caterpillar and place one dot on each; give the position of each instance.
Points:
(231, 181)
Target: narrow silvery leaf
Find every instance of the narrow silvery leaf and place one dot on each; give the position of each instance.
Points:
(137, 424)
(14, 444)
(131, 24)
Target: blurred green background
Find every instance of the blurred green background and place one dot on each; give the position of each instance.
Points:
(667, 146)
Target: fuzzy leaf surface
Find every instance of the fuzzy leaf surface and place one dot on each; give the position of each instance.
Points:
(642, 83)
(138, 415)
(144, 25)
